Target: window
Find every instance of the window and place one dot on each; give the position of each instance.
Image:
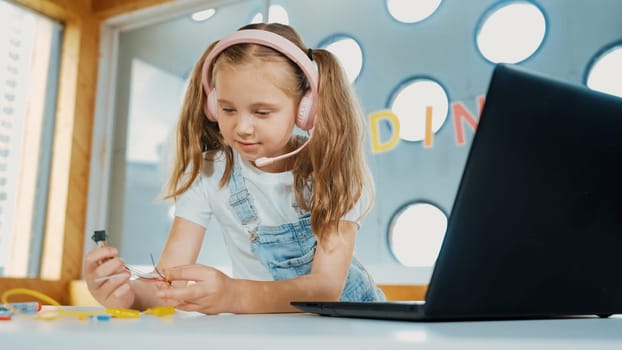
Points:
(154, 102)
(416, 233)
(29, 59)
(407, 11)
(605, 73)
(348, 52)
(63, 92)
(276, 14)
(511, 33)
(420, 104)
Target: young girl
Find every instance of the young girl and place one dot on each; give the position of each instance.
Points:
(289, 206)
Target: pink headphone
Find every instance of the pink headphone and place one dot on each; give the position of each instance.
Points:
(306, 109)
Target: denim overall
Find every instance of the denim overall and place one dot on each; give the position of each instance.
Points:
(287, 250)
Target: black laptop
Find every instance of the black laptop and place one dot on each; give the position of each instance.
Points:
(536, 226)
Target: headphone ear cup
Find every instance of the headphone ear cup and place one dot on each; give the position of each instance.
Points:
(305, 121)
(211, 106)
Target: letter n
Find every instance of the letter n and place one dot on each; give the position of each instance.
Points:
(461, 112)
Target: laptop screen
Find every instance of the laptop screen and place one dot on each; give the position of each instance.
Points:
(536, 226)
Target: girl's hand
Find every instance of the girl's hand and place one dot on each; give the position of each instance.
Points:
(212, 293)
(112, 292)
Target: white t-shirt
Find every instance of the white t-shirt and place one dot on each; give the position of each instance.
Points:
(273, 196)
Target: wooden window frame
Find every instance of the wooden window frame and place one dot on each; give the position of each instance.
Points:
(63, 246)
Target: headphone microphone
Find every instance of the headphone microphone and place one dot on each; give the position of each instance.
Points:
(305, 118)
(263, 161)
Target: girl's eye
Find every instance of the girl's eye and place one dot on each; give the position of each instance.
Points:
(228, 110)
(263, 113)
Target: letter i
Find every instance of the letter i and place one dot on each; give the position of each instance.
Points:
(429, 136)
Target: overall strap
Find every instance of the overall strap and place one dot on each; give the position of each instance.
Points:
(240, 199)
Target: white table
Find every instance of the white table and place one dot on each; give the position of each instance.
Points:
(305, 331)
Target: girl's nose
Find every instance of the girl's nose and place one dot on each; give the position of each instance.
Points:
(245, 124)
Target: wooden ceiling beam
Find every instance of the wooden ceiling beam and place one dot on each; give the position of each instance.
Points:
(59, 9)
(110, 8)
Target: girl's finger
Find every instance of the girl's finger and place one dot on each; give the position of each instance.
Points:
(188, 307)
(121, 290)
(97, 256)
(183, 293)
(117, 275)
(186, 273)
(110, 267)
(111, 284)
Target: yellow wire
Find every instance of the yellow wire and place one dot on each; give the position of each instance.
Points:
(160, 311)
(61, 312)
(52, 314)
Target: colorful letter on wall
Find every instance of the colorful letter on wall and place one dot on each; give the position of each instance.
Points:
(376, 144)
(461, 112)
(429, 135)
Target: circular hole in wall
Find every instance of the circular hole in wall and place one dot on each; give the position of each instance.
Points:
(511, 33)
(349, 53)
(411, 103)
(416, 234)
(409, 11)
(605, 74)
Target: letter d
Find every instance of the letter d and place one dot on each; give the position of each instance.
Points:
(376, 143)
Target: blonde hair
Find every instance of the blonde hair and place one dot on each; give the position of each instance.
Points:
(330, 174)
